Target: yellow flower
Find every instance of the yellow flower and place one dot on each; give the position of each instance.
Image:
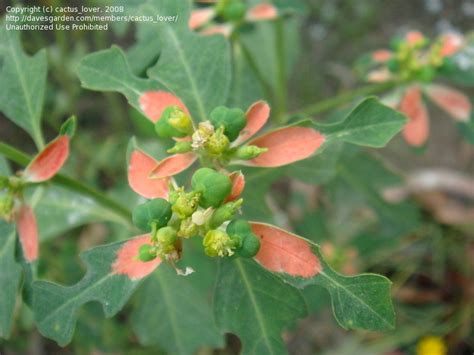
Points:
(431, 345)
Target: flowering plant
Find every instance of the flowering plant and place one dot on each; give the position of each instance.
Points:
(204, 206)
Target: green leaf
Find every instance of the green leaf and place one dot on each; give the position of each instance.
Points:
(23, 81)
(359, 302)
(260, 43)
(109, 70)
(255, 305)
(246, 88)
(370, 124)
(56, 307)
(172, 314)
(10, 275)
(58, 210)
(195, 68)
(395, 218)
(319, 168)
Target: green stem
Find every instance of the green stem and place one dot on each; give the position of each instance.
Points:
(260, 77)
(343, 98)
(281, 93)
(23, 159)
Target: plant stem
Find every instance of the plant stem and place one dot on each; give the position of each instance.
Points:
(23, 159)
(343, 98)
(281, 92)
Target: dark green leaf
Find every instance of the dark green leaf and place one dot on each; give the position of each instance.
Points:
(255, 305)
(172, 314)
(56, 307)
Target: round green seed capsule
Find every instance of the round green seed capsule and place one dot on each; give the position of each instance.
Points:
(250, 246)
(232, 119)
(214, 187)
(234, 11)
(157, 211)
(145, 253)
(249, 242)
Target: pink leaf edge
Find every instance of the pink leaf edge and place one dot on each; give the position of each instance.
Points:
(172, 165)
(452, 101)
(284, 252)
(262, 12)
(139, 168)
(286, 145)
(127, 262)
(257, 115)
(416, 130)
(153, 103)
(238, 185)
(49, 161)
(28, 232)
(200, 17)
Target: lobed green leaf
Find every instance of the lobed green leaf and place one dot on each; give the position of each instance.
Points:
(255, 305)
(370, 124)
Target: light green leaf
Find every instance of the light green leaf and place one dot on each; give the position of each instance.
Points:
(10, 275)
(23, 81)
(370, 124)
(172, 314)
(195, 68)
(56, 307)
(109, 70)
(58, 210)
(255, 305)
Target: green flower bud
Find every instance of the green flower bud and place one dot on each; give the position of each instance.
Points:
(3, 182)
(217, 143)
(248, 152)
(180, 147)
(232, 119)
(396, 42)
(234, 11)
(146, 253)
(426, 74)
(213, 186)
(393, 65)
(218, 243)
(188, 228)
(448, 65)
(166, 236)
(157, 211)
(174, 123)
(225, 213)
(249, 244)
(185, 203)
(6, 206)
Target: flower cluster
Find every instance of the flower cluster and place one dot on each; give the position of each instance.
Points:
(226, 15)
(209, 208)
(42, 168)
(415, 62)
